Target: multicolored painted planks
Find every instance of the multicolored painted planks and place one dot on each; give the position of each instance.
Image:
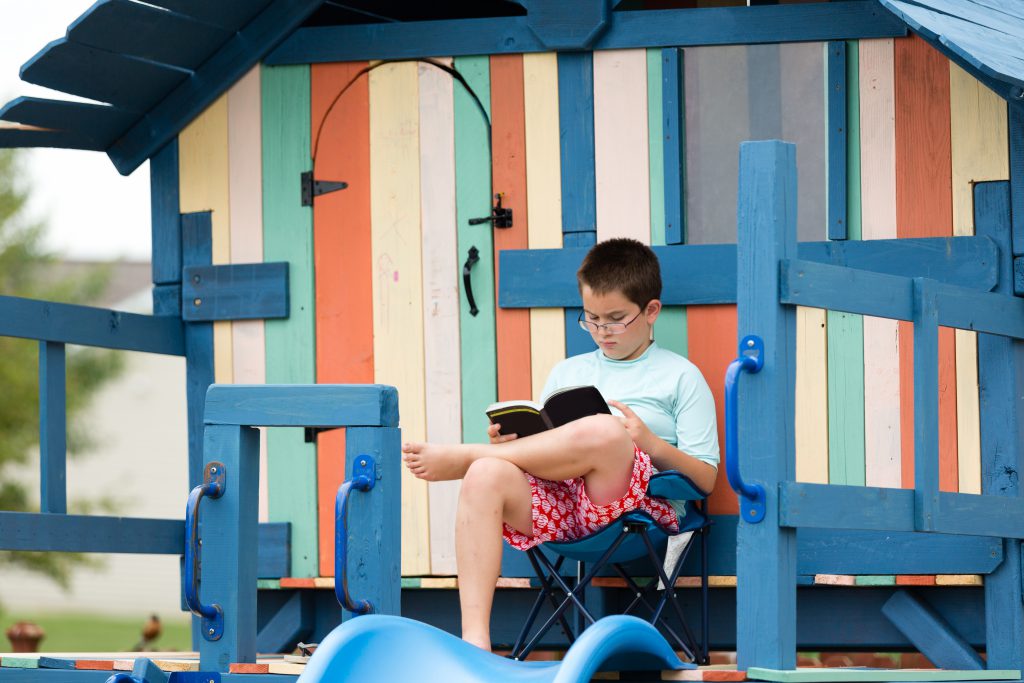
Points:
(291, 353)
(340, 141)
(397, 277)
(924, 208)
(979, 151)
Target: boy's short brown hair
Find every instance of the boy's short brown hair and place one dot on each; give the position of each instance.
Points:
(622, 265)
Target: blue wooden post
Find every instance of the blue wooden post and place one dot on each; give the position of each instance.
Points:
(673, 89)
(197, 250)
(1000, 366)
(1016, 131)
(374, 521)
(229, 531)
(835, 102)
(926, 405)
(53, 441)
(766, 552)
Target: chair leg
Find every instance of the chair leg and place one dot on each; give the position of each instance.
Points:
(669, 586)
(546, 592)
(640, 596)
(704, 616)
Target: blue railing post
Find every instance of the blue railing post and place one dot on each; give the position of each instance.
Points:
(926, 405)
(1000, 372)
(766, 552)
(53, 439)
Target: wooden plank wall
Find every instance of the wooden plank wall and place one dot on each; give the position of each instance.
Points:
(379, 298)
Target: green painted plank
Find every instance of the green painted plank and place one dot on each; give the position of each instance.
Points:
(846, 330)
(10, 662)
(410, 582)
(288, 236)
(874, 580)
(670, 328)
(472, 200)
(852, 675)
(268, 584)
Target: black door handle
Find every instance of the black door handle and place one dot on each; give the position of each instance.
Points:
(474, 256)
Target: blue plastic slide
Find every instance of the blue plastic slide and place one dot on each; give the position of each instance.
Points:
(386, 649)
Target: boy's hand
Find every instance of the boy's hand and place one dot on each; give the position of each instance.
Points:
(492, 432)
(638, 430)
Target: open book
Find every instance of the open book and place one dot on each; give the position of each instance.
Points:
(525, 418)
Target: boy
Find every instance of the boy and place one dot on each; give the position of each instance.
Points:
(567, 482)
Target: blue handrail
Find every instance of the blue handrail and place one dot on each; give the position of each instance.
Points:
(752, 496)
(212, 487)
(363, 479)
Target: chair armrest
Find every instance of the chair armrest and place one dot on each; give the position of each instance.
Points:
(674, 485)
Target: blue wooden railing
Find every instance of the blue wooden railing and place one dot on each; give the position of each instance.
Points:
(772, 280)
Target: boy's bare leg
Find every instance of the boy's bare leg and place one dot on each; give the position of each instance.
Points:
(492, 491)
(597, 448)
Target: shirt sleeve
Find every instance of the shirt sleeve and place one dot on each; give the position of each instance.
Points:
(696, 422)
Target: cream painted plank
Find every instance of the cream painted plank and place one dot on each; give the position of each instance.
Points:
(811, 396)
(203, 174)
(398, 278)
(980, 152)
(544, 197)
(878, 211)
(621, 161)
(245, 201)
(440, 298)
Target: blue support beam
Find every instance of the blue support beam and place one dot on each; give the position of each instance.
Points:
(673, 89)
(1000, 370)
(303, 405)
(932, 635)
(766, 552)
(167, 300)
(53, 437)
(164, 200)
(1015, 126)
(240, 291)
(628, 29)
(291, 623)
(95, 125)
(197, 250)
(835, 106)
(88, 326)
(706, 273)
(195, 93)
(926, 404)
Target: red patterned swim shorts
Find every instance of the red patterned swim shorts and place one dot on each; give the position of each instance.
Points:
(563, 512)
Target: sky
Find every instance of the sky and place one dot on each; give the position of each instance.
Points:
(92, 212)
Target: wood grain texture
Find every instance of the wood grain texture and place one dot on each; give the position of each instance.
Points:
(878, 214)
(245, 193)
(508, 169)
(341, 233)
(924, 208)
(290, 343)
(398, 278)
(543, 187)
(811, 418)
(621, 145)
(473, 199)
(443, 383)
(670, 327)
(204, 183)
(712, 345)
(979, 152)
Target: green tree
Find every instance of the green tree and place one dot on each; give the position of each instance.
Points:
(26, 271)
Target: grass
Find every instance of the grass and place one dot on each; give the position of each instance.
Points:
(83, 632)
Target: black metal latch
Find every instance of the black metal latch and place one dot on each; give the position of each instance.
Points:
(501, 216)
(314, 188)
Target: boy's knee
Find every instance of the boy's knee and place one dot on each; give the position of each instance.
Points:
(600, 433)
(485, 475)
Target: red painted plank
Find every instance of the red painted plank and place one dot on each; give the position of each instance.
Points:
(297, 581)
(924, 208)
(711, 331)
(341, 228)
(508, 169)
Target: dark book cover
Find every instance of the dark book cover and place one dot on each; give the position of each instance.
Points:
(525, 418)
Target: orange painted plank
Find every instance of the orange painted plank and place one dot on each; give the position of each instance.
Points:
(712, 346)
(95, 664)
(915, 580)
(508, 169)
(341, 233)
(241, 668)
(924, 208)
(297, 581)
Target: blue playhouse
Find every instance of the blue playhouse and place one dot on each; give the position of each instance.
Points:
(366, 222)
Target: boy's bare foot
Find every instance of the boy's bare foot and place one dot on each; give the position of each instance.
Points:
(437, 462)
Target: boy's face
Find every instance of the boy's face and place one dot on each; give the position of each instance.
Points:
(614, 307)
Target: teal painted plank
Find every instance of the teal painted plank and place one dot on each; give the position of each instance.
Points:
(473, 199)
(288, 236)
(875, 580)
(846, 330)
(852, 675)
(670, 328)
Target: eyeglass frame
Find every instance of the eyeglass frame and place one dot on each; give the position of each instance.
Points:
(586, 324)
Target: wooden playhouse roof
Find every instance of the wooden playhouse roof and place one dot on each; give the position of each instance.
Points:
(154, 67)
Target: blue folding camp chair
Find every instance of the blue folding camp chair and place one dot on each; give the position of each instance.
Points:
(633, 536)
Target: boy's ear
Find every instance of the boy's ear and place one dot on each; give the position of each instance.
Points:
(652, 310)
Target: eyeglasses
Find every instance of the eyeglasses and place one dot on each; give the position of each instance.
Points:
(609, 328)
